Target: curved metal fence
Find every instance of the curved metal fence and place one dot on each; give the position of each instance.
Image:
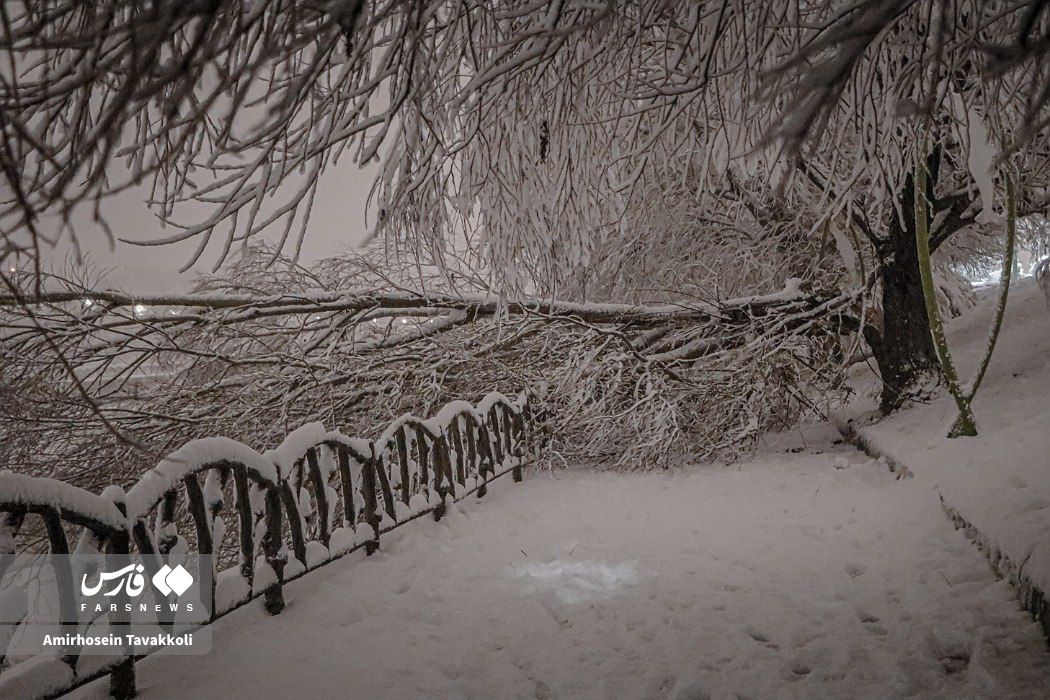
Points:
(262, 519)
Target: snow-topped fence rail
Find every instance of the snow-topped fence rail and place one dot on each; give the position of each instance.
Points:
(317, 496)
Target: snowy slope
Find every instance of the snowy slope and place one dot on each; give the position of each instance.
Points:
(999, 480)
(812, 575)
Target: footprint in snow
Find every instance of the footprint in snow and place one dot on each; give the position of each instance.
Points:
(690, 691)
(954, 663)
(866, 615)
(759, 637)
(1038, 504)
(855, 570)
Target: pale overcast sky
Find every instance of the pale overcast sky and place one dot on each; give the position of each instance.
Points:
(337, 223)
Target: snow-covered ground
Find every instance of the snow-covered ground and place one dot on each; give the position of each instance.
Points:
(809, 573)
(999, 481)
(802, 575)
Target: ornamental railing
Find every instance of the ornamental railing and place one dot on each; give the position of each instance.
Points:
(259, 519)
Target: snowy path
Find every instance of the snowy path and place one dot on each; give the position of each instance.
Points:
(798, 576)
(997, 480)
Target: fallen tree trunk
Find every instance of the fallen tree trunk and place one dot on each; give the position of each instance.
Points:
(242, 307)
(637, 386)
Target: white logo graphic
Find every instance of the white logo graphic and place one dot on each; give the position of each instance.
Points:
(130, 578)
(169, 580)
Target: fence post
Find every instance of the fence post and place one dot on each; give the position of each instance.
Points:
(56, 537)
(495, 446)
(457, 445)
(423, 454)
(516, 425)
(384, 488)
(245, 524)
(273, 546)
(118, 548)
(402, 459)
(295, 522)
(165, 517)
(486, 463)
(442, 474)
(10, 523)
(320, 496)
(368, 487)
(346, 483)
(474, 456)
(198, 510)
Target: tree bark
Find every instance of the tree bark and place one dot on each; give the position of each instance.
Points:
(903, 348)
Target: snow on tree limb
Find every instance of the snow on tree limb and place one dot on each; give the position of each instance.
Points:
(365, 367)
(244, 308)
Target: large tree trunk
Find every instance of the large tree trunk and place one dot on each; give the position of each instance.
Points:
(903, 347)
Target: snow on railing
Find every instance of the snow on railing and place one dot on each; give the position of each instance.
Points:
(335, 494)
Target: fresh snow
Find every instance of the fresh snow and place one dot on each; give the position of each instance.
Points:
(359, 445)
(490, 400)
(443, 418)
(808, 575)
(37, 677)
(343, 539)
(316, 554)
(418, 503)
(264, 575)
(295, 446)
(230, 589)
(169, 473)
(18, 488)
(388, 438)
(998, 480)
(792, 290)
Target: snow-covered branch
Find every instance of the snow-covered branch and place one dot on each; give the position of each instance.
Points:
(363, 358)
(240, 308)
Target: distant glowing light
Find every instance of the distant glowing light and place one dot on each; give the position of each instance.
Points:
(140, 309)
(12, 269)
(88, 303)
